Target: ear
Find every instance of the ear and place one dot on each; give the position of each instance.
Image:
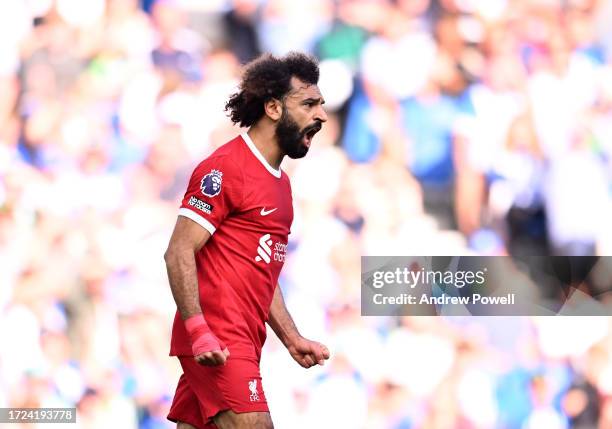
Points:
(273, 109)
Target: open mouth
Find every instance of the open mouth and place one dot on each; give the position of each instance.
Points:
(308, 136)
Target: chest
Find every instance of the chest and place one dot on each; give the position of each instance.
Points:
(267, 206)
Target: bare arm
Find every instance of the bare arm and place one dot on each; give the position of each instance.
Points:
(305, 352)
(187, 239)
(281, 321)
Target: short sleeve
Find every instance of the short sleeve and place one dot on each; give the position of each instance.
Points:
(214, 191)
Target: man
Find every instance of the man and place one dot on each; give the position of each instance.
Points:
(229, 245)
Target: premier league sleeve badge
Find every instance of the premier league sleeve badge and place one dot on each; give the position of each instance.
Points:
(211, 183)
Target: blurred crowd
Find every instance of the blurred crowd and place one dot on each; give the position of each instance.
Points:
(456, 127)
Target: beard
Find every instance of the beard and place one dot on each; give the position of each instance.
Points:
(290, 137)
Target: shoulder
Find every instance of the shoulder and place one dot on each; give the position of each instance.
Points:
(285, 181)
(285, 177)
(221, 170)
(226, 159)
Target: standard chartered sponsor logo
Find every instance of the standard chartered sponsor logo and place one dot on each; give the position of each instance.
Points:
(266, 252)
(263, 250)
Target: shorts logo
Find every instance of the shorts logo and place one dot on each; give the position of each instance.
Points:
(200, 205)
(264, 250)
(253, 388)
(211, 183)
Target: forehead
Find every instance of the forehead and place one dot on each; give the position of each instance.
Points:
(301, 90)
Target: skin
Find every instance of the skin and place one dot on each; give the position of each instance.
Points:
(187, 239)
(230, 420)
(305, 352)
(304, 104)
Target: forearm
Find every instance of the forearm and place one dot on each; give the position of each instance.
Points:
(181, 267)
(280, 320)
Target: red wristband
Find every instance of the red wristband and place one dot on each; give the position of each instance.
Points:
(202, 338)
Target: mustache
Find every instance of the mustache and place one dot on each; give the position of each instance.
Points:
(316, 127)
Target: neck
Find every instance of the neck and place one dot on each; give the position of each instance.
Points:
(265, 141)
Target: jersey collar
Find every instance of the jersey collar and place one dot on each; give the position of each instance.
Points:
(273, 171)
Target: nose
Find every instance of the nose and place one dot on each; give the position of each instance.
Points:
(321, 115)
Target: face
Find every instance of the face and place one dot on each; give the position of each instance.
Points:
(302, 117)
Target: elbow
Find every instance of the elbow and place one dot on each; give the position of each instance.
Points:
(169, 255)
(178, 251)
(175, 253)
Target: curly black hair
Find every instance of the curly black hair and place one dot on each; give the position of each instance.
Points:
(268, 77)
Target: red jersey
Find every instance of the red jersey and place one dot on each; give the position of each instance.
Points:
(246, 205)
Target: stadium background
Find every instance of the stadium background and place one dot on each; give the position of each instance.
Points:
(456, 127)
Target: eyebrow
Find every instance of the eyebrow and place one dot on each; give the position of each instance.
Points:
(314, 100)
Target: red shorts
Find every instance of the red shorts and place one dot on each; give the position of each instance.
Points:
(204, 391)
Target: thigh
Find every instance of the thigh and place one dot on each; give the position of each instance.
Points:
(185, 409)
(235, 386)
(183, 425)
(241, 384)
(231, 420)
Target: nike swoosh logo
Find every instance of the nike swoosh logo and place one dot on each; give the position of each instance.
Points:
(265, 212)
